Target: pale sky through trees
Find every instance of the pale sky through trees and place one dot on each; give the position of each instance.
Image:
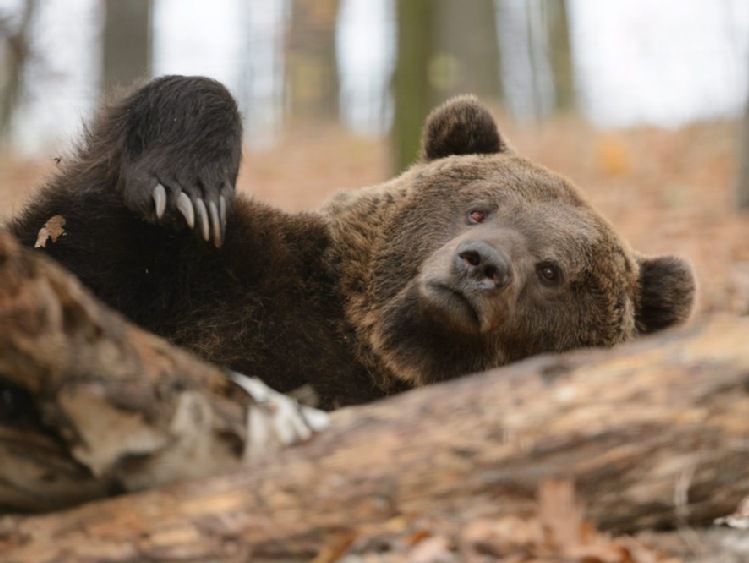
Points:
(636, 61)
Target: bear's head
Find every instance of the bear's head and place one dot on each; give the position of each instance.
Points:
(483, 257)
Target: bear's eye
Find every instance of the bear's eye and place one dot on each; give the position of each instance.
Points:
(549, 273)
(476, 216)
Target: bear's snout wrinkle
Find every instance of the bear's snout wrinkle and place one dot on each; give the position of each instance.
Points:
(483, 266)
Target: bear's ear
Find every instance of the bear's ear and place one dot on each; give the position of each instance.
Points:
(460, 126)
(667, 288)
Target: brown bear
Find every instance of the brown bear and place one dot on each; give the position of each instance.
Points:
(473, 258)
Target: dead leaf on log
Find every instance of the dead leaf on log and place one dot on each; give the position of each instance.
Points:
(52, 230)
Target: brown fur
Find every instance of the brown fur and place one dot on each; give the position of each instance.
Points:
(375, 293)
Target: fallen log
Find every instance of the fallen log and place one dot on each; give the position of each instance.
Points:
(91, 405)
(653, 434)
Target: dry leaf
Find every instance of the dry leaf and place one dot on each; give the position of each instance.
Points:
(432, 550)
(335, 548)
(52, 230)
(561, 514)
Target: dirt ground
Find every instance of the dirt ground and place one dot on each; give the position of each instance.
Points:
(667, 191)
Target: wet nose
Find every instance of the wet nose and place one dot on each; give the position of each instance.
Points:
(483, 264)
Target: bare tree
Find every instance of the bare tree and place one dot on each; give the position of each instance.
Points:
(550, 55)
(467, 57)
(127, 43)
(445, 48)
(560, 53)
(535, 36)
(412, 92)
(312, 85)
(14, 53)
(742, 188)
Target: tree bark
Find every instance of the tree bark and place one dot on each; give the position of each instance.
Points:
(653, 434)
(91, 405)
(560, 54)
(413, 94)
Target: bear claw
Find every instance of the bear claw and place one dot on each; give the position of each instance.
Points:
(159, 199)
(211, 218)
(222, 215)
(202, 218)
(184, 205)
(213, 211)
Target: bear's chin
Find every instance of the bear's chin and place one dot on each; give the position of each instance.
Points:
(460, 310)
(422, 344)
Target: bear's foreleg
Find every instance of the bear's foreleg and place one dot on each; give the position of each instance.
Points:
(181, 150)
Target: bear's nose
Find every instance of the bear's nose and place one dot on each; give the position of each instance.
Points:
(483, 264)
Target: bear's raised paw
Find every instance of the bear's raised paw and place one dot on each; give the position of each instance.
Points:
(181, 154)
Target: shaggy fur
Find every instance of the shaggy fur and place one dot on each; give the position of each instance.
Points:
(473, 258)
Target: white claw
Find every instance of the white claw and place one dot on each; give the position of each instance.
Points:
(214, 223)
(202, 218)
(222, 214)
(185, 207)
(159, 199)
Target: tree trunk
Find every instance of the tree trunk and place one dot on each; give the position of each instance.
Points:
(466, 59)
(311, 62)
(127, 43)
(742, 188)
(13, 57)
(560, 54)
(653, 434)
(412, 91)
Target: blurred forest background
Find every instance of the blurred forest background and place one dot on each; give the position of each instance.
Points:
(641, 103)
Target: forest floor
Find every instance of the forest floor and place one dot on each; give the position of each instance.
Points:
(667, 191)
